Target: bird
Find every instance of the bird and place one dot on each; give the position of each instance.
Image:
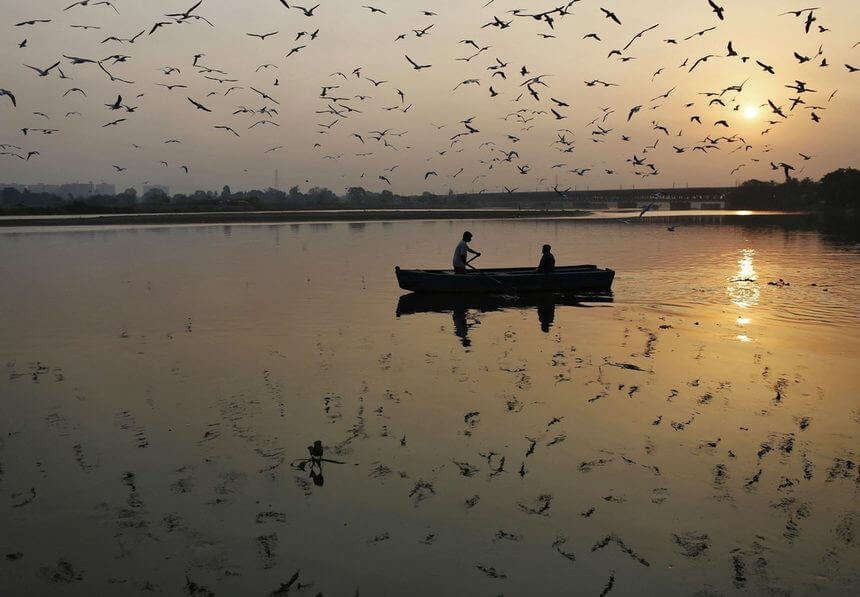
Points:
(852, 69)
(32, 22)
(699, 33)
(700, 60)
(610, 15)
(226, 128)
(198, 105)
(262, 36)
(717, 9)
(158, 25)
(43, 72)
(765, 67)
(373, 10)
(417, 66)
(116, 105)
(308, 12)
(119, 168)
(10, 95)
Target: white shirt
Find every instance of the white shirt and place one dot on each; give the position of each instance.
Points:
(460, 254)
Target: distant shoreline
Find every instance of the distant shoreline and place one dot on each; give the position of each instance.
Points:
(353, 215)
(239, 217)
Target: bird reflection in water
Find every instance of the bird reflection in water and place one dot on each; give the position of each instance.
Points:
(314, 464)
(463, 307)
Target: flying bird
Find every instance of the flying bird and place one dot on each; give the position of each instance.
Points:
(610, 15)
(198, 105)
(717, 9)
(43, 72)
(417, 66)
(10, 95)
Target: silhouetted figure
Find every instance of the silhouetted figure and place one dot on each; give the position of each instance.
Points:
(546, 315)
(462, 252)
(461, 326)
(547, 261)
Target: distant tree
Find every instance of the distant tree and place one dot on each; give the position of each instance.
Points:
(295, 192)
(155, 195)
(841, 188)
(130, 193)
(225, 192)
(356, 194)
(10, 196)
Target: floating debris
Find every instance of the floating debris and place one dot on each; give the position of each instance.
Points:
(557, 545)
(692, 544)
(285, 586)
(466, 469)
(609, 584)
(506, 536)
(490, 571)
(540, 506)
(385, 536)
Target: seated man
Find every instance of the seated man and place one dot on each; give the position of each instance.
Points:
(461, 253)
(547, 261)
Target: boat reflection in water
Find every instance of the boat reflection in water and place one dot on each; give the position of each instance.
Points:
(464, 306)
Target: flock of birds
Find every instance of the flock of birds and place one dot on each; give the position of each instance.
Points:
(533, 108)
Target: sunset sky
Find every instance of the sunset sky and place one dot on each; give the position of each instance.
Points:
(352, 36)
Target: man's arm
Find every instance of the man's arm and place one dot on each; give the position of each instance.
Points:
(472, 251)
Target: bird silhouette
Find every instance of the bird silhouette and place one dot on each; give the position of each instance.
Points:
(198, 105)
(610, 15)
(416, 66)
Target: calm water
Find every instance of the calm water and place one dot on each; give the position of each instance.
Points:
(696, 432)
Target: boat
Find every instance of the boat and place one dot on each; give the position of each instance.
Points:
(509, 280)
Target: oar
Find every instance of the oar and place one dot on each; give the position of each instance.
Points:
(505, 288)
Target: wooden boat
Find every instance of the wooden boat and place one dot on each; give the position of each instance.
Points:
(511, 280)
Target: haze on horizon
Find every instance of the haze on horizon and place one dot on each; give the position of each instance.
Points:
(419, 139)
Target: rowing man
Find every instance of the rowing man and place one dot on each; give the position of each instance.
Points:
(461, 253)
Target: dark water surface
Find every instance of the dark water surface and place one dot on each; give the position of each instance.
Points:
(696, 432)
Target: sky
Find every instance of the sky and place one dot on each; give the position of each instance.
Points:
(315, 152)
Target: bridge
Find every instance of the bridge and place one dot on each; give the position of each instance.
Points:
(663, 199)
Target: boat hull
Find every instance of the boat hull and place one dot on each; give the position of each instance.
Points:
(578, 278)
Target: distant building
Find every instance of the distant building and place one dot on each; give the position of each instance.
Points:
(76, 190)
(41, 187)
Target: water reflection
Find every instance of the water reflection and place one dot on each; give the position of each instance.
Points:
(743, 289)
(464, 308)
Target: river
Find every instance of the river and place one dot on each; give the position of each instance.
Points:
(695, 431)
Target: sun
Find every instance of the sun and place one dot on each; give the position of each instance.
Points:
(750, 112)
